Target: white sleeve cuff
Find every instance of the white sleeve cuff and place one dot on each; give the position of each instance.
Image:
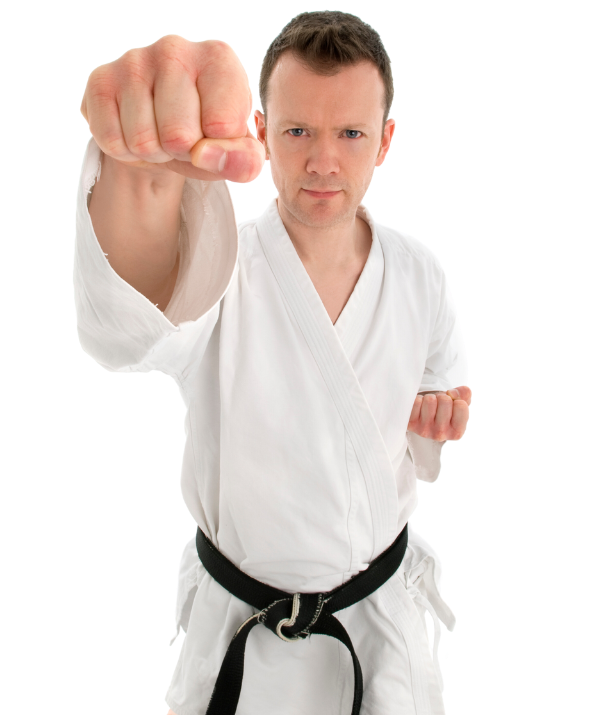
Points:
(426, 456)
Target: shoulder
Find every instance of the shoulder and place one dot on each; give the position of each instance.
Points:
(247, 227)
(249, 241)
(400, 244)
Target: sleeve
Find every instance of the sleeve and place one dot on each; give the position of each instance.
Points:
(118, 326)
(444, 369)
(442, 353)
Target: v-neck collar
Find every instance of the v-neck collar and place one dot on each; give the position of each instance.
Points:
(333, 360)
(352, 318)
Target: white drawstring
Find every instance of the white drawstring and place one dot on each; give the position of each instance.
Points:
(416, 594)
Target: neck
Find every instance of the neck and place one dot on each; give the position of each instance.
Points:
(331, 248)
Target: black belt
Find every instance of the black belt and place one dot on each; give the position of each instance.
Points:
(291, 616)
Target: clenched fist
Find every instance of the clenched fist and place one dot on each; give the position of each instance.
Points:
(441, 415)
(175, 106)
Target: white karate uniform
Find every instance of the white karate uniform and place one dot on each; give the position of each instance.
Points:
(297, 463)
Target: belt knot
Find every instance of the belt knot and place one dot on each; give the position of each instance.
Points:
(292, 618)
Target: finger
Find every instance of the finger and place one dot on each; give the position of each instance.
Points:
(239, 160)
(139, 124)
(177, 109)
(464, 393)
(415, 414)
(225, 95)
(102, 114)
(442, 425)
(459, 418)
(427, 415)
(204, 83)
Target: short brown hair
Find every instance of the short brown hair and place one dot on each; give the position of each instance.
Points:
(326, 41)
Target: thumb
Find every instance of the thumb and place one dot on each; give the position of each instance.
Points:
(210, 157)
(461, 393)
(239, 159)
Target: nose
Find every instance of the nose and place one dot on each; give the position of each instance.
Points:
(322, 158)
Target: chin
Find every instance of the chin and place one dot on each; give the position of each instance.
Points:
(320, 215)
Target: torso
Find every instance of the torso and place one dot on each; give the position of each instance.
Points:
(335, 288)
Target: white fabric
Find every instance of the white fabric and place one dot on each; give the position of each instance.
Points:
(297, 463)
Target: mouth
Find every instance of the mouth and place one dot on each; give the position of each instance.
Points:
(322, 194)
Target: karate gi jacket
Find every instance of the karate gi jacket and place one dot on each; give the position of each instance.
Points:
(297, 463)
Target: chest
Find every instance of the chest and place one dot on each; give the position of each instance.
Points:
(335, 287)
(335, 281)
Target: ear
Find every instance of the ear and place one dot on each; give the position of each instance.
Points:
(260, 125)
(386, 141)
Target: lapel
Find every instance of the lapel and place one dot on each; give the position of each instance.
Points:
(326, 344)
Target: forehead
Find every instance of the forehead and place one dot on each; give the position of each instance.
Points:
(297, 92)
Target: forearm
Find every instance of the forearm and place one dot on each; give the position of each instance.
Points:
(136, 218)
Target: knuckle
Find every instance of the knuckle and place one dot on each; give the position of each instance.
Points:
(171, 41)
(100, 84)
(143, 143)
(174, 64)
(94, 74)
(216, 50)
(101, 99)
(170, 49)
(113, 145)
(132, 58)
(133, 67)
(217, 125)
(177, 139)
(219, 60)
(136, 68)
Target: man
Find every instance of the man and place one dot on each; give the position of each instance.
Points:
(301, 343)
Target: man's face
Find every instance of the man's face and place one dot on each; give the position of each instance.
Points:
(323, 138)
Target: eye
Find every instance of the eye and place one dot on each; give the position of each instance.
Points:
(298, 129)
(352, 133)
(296, 132)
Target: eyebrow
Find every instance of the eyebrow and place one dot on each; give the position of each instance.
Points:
(302, 125)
